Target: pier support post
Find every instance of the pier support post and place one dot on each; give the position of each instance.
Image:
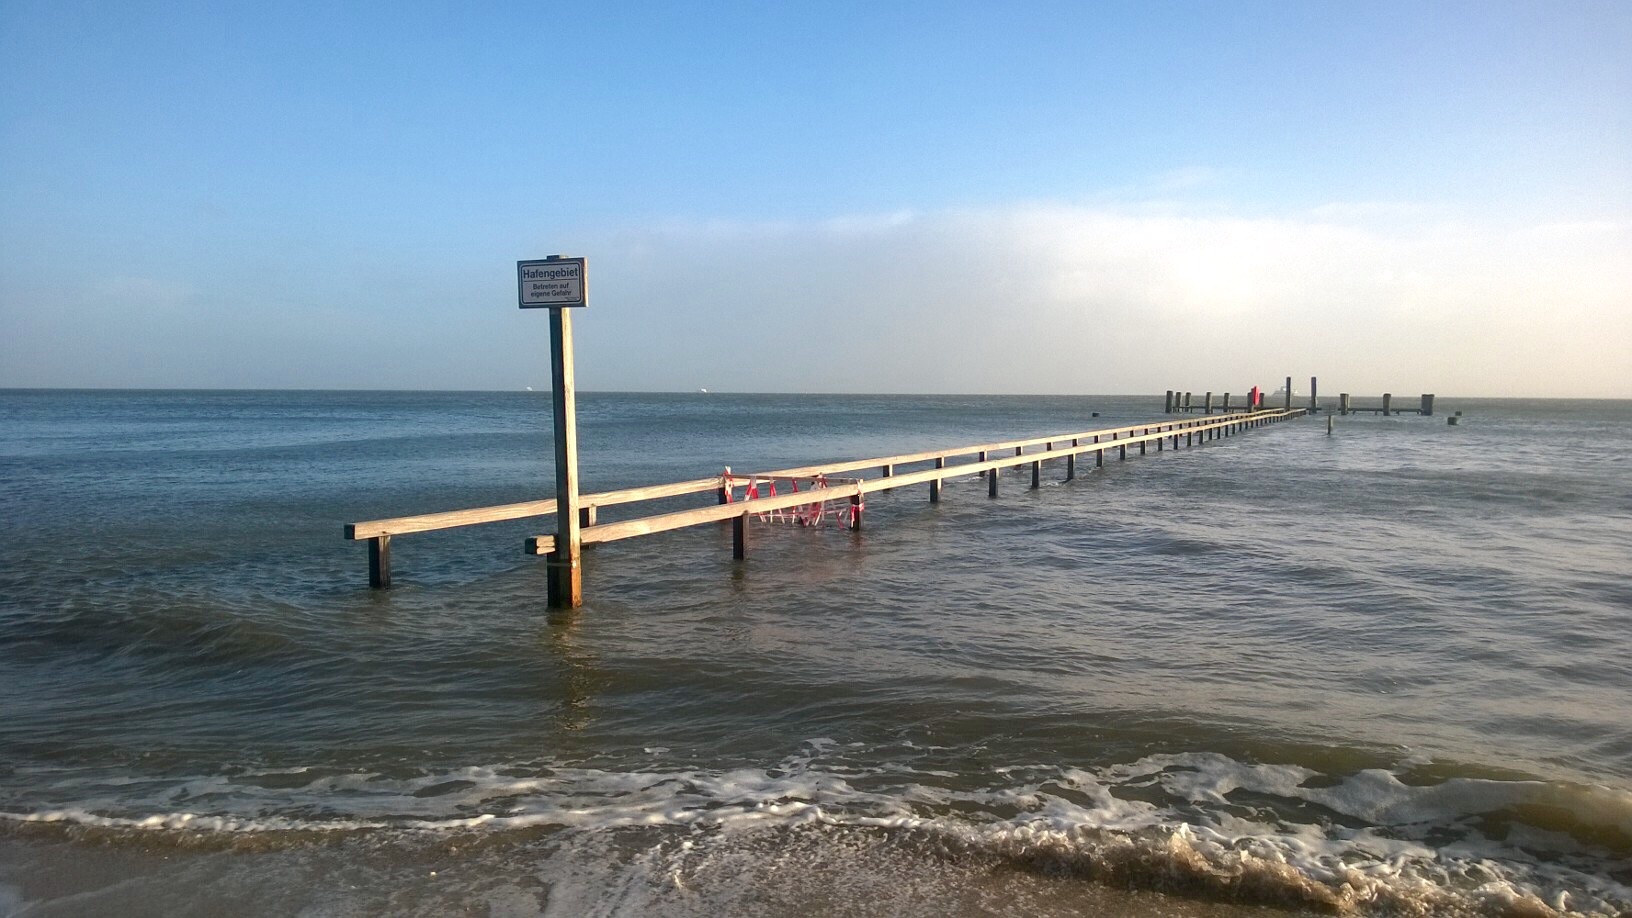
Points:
(1187, 402)
(1036, 475)
(1427, 404)
(1314, 403)
(991, 484)
(1226, 403)
(739, 536)
(566, 584)
(1071, 461)
(935, 484)
(1209, 408)
(1287, 404)
(379, 562)
(855, 512)
(1167, 406)
(1387, 398)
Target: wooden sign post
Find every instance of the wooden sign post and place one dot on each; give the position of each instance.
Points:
(559, 284)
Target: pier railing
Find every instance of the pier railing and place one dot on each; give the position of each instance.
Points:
(1067, 447)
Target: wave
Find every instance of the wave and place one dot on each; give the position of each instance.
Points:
(1198, 823)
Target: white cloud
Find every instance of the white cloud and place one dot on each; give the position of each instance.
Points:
(1028, 298)
(1072, 299)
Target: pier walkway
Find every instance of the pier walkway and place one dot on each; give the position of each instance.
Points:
(813, 489)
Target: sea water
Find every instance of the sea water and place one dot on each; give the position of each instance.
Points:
(1383, 671)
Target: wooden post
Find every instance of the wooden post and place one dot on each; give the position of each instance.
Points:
(1329, 421)
(1036, 475)
(566, 584)
(1343, 403)
(1186, 401)
(1314, 404)
(586, 516)
(1387, 398)
(1168, 406)
(1427, 404)
(991, 484)
(1071, 462)
(982, 459)
(935, 484)
(1209, 409)
(379, 562)
(739, 536)
(855, 513)
(1287, 404)
(887, 471)
(1226, 403)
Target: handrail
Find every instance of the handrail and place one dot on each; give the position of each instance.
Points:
(679, 519)
(450, 519)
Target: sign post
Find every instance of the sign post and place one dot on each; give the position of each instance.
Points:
(559, 284)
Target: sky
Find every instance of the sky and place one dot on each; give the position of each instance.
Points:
(947, 197)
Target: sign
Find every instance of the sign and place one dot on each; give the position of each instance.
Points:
(552, 283)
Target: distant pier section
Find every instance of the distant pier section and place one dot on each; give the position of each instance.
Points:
(1346, 405)
(1181, 402)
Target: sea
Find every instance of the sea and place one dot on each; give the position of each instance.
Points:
(1379, 669)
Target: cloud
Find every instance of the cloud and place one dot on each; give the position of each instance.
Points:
(1056, 298)
(1041, 298)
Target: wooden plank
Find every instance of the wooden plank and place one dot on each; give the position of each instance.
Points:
(452, 519)
(426, 522)
(455, 518)
(903, 479)
(679, 519)
(835, 468)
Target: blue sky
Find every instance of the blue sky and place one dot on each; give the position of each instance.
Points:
(981, 199)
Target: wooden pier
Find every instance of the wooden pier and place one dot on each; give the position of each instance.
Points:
(1346, 405)
(932, 468)
(1182, 402)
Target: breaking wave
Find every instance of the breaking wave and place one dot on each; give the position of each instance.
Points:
(1374, 841)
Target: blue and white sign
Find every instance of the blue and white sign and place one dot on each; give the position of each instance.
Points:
(552, 283)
